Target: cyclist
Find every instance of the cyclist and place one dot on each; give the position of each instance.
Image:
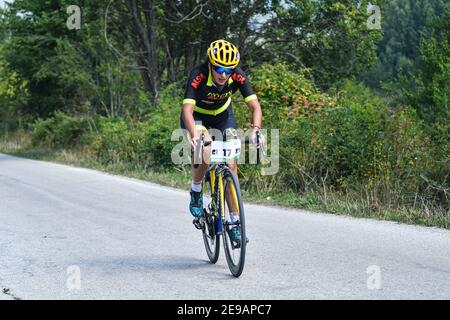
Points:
(207, 105)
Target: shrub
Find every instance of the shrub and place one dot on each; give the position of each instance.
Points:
(345, 139)
(61, 130)
(145, 142)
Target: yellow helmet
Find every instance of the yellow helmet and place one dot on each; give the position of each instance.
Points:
(223, 54)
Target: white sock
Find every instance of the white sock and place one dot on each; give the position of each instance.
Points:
(196, 186)
(234, 217)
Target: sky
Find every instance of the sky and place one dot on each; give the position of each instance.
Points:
(2, 3)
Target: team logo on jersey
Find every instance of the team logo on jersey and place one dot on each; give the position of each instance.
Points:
(217, 96)
(197, 80)
(238, 78)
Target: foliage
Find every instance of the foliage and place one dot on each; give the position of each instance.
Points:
(431, 97)
(404, 23)
(61, 131)
(114, 88)
(329, 37)
(13, 94)
(145, 142)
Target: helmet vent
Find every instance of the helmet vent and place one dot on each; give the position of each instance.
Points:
(223, 53)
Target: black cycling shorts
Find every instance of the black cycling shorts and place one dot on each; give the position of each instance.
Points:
(222, 121)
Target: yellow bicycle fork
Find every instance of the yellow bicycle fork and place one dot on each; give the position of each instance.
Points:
(212, 179)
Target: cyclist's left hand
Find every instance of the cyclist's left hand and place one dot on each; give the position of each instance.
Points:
(261, 137)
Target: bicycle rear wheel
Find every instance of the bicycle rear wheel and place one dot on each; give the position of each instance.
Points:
(234, 251)
(210, 237)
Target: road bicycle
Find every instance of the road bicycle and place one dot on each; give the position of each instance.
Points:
(222, 195)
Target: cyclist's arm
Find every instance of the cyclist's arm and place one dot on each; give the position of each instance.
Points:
(195, 78)
(255, 108)
(249, 95)
(189, 122)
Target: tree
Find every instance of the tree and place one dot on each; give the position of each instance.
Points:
(190, 26)
(34, 27)
(430, 96)
(398, 52)
(331, 38)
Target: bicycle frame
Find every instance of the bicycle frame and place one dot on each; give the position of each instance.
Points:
(223, 186)
(218, 194)
(217, 197)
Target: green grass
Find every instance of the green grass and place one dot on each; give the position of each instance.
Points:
(341, 204)
(352, 203)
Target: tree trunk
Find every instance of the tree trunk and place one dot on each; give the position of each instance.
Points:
(144, 43)
(189, 56)
(170, 64)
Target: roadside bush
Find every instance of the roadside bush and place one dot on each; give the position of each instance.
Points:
(289, 101)
(115, 142)
(61, 130)
(147, 142)
(284, 95)
(347, 141)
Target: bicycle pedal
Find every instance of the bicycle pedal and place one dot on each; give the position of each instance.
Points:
(199, 224)
(237, 244)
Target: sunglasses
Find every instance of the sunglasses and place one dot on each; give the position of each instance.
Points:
(221, 70)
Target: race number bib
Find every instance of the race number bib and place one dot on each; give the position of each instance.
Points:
(224, 151)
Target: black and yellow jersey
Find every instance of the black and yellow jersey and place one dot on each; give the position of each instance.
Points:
(209, 99)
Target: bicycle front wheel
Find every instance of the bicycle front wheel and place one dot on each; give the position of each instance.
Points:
(234, 250)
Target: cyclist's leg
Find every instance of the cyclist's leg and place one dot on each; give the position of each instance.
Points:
(231, 201)
(230, 123)
(200, 125)
(199, 171)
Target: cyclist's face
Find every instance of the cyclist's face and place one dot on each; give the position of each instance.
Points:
(220, 79)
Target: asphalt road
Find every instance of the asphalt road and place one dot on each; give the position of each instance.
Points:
(73, 233)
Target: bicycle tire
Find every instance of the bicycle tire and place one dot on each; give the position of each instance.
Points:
(210, 238)
(235, 256)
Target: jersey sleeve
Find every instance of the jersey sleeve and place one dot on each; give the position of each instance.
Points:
(192, 85)
(244, 85)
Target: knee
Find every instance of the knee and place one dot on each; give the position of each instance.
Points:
(233, 166)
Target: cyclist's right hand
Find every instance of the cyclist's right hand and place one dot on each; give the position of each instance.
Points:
(194, 141)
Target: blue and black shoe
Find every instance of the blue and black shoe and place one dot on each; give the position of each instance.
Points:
(196, 204)
(235, 235)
